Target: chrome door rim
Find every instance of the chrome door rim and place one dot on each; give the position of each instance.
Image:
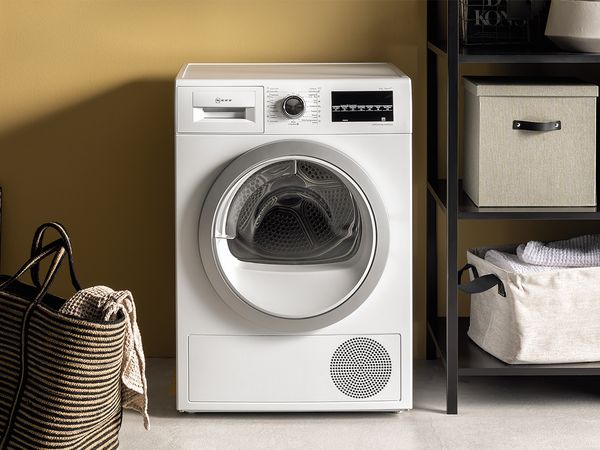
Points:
(241, 168)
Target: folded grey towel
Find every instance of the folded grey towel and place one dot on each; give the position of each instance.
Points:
(581, 251)
(511, 263)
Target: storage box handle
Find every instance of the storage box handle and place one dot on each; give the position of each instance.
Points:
(480, 284)
(536, 126)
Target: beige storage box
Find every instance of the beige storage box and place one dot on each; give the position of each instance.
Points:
(529, 143)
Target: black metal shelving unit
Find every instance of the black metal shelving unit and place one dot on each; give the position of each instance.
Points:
(447, 336)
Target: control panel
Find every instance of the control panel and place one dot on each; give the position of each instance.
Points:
(291, 107)
(327, 109)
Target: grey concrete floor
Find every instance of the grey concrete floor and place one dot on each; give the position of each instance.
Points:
(509, 412)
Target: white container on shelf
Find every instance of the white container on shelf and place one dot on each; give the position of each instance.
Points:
(529, 144)
(574, 25)
(535, 318)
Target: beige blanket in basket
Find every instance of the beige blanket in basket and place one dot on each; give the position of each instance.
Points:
(102, 303)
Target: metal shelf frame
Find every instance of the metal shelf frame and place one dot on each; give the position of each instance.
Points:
(447, 336)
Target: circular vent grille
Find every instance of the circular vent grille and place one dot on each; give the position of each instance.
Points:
(360, 367)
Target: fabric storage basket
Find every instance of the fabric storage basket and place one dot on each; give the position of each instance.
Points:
(536, 318)
(60, 383)
(529, 143)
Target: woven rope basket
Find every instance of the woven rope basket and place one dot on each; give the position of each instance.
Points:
(60, 384)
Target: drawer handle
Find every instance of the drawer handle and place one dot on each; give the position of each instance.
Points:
(536, 126)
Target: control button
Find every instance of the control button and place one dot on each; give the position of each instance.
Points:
(293, 106)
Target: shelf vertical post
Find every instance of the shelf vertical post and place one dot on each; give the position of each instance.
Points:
(432, 175)
(431, 278)
(452, 210)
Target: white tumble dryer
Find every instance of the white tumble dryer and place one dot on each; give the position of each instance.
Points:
(293, 237)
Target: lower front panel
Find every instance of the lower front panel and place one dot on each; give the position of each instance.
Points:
(336, 372)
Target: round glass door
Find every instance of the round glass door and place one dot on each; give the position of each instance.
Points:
(296, 211)
(293, 236)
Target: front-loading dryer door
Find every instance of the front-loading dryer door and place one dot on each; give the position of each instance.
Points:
(293, 235)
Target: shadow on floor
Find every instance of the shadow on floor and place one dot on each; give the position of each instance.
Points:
(429, 393)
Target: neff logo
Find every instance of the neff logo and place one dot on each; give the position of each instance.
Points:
(222, 100)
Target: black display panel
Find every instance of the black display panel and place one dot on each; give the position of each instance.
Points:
(362, 106)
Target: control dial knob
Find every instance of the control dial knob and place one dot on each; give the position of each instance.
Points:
(293, 106)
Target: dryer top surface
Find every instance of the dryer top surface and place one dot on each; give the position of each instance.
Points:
(289, 71)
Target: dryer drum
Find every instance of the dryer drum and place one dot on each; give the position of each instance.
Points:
(293, 212)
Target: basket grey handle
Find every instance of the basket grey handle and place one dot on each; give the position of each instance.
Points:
(480, 284)
(536, 126)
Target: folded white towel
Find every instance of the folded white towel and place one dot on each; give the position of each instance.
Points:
(511, 263)
(581, 251)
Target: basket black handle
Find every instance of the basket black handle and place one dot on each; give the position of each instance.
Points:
(37, 244)
(480, 284)
(56, 249)
(526, 125)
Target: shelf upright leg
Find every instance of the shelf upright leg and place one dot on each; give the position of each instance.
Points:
(452, 210)
(432, 175)
(431, 278)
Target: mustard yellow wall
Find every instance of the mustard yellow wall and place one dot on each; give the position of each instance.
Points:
(86, 119)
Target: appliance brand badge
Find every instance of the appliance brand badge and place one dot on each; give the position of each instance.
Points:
(222, 100)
